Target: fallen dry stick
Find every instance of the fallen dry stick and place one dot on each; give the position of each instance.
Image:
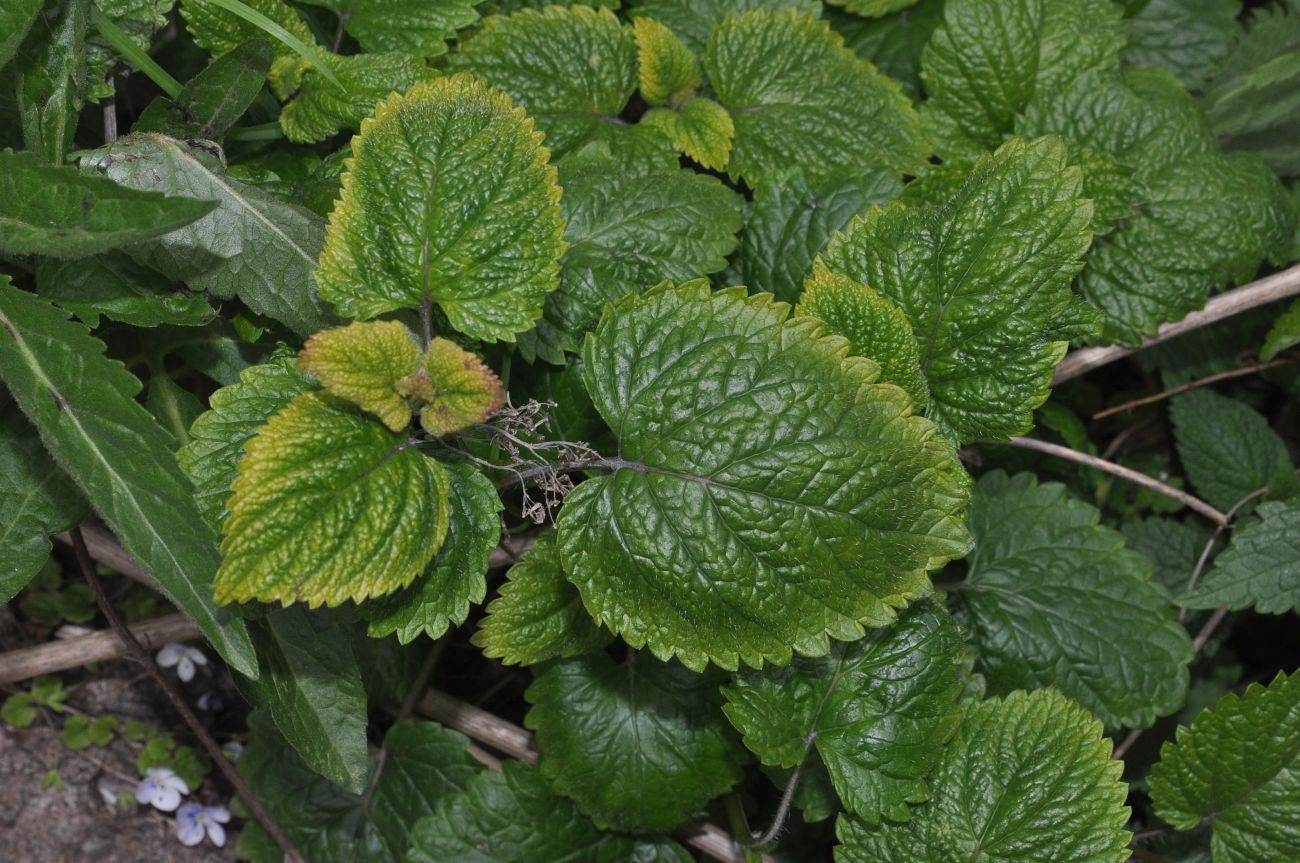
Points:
(100, 646)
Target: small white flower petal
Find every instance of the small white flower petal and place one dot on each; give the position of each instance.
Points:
(217, 834)
(170, 655)
(167, 799)
(219, 813)
(196, 656)
(189, 833)
(185, 669)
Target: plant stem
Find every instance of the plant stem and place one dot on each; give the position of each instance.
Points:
(1110, 467)
(1209, 545)
(1275, 287)
(1192, 385)
(136, 649)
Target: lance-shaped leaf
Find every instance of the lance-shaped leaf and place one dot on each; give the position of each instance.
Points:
(422, 764)
(311, 685)
(530, 56)
(456, 387)
(448, 196)
(84, 406)
(54, 210)
(985, 64)
(317, 108)
(538, 614)
(36, 499)
(770, 495)
(1235, 767)
(329, 505)
(793, 216)
(629, 231)
(116, 287)
(221, 31)
(980, 279)
(693, 21)
(1052, 598)
(235, 414)
(875, 327)
(457, 578)
(1028, 777)
(514, 817)
(668, 69)
(252, 245)
(1188, 38)
(1260, 568)
(50, 79)
(363, 363)
(799, 98)
(15, 20)
(879, 711)
(1227, 447)
(214, 99)
(700, 128)
(655, 721)
(417, 27)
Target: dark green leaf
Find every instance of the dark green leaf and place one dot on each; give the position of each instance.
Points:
(83, 404)
(1260, 569)
(51, 76)
(214, 99)
(1226, 447)
(1188, 38)
(116, 287)
(16, 19)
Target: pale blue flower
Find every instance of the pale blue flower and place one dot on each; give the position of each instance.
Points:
(162, 789)
(183, 657)
(193, 820)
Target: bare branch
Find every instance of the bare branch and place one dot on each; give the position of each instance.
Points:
(1242, 372)
(56, 656)
(1110, 467)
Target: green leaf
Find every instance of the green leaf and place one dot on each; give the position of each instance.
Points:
(36, 500)
(1235, 767)
(1251, 99)
(653, 722)
(892, 44)
(873, 8)
(769, 495)
(530, 55)
(514, 817)
(116, 287)
(221, 31)
(793, 216)
(417, 27)
(311, 686)
(50, 75)
(668, 69)
(455, 386)
(422, 763)
(174, 407)
(442, 596)
(799, 98)
(83, 405)
(363, 363)
(54, 210)
(1226, 447)
(1173, 546)
(629, 232)
(984, 65)
(700, 128)
(1188, 38)
(693, 21)
(1260, 569)
(879, 711)
(538, 614)
(1284, 334)
(328, 506)
(875, 327)
(483, 241)
(235, 414)
(317, 108)
(252, 245)
(18, 710)
(1053, 598)
(1028, 777)
(214, 99)
(1186, 219)
(980, 279)
(15, 20)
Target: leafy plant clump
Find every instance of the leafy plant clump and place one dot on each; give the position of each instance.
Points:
(762, 427)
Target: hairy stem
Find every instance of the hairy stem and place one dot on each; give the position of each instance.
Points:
(136, 649)
(1110, 467)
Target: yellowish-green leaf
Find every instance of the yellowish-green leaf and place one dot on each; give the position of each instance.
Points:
(700, 128)
(220, 30)
(876, 327)
(449, 196)
(669, 71)
(329, 505)
(363, 363)
(458, 388)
